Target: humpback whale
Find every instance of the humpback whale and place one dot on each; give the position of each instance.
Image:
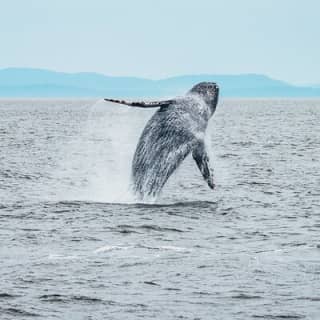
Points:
(175, 130)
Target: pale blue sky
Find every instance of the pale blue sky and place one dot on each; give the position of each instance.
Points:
(160, 38)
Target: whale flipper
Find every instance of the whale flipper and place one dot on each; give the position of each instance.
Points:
(200, 155)
(143, 104)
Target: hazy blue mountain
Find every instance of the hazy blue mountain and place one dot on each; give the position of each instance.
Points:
(23, 82)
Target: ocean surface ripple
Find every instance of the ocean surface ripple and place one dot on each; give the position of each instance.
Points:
(76, 245)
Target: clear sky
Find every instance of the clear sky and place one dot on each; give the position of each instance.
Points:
(160, 38)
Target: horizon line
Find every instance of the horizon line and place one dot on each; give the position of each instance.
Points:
(149, 79)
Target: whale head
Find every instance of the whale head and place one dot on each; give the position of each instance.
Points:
(209, 92)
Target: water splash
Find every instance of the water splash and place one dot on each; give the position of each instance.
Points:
(97, 163)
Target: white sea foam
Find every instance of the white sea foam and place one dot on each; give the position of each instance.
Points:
(61, 257)
(174, 248)
(110, 248)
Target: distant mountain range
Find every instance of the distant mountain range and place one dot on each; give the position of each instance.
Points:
(23, 82)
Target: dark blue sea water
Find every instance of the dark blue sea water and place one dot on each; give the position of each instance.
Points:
(75, 245)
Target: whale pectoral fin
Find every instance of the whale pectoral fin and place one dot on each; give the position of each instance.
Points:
(143, 104)
(201, 157)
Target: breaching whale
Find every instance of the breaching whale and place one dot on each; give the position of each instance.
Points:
(176, 129)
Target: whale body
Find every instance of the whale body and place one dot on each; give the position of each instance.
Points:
(175, 130)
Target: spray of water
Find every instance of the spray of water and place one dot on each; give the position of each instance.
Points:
(97, 163)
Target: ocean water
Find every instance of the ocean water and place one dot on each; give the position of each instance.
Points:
(74, 244)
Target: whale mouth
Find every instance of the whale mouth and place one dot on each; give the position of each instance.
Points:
(217, 92)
